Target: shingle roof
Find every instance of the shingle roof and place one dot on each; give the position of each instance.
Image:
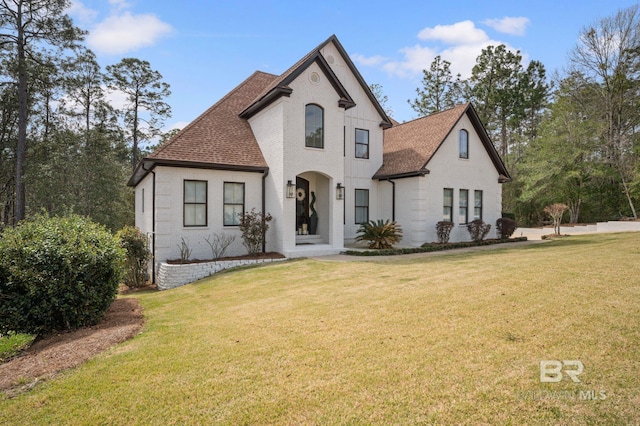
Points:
(219, 135)
(408, 147)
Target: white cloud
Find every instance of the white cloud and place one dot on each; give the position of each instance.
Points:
(459, 43)
(177, 125)
(123, 33)
(509, 25)
(81, 13)
(368, 61)
(464, 32)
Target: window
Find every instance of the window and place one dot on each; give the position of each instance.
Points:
(447, 210)
(142, 200)
(313, 126)
(464, 144)
(362, 206)
(195, 203)
(477, 205)
(362, 143)
(464, 206)
(233, 203)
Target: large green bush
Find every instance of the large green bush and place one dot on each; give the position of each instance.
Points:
(57, 273)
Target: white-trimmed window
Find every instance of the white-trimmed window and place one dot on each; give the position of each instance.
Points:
(362, 143)
(195, 203)
(313, 126)
(477, 204)
(464, 143)
(463, 216)
(362, 206)
(447, 205)
(233, 203)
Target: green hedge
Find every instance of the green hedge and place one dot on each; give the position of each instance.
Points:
(57, 274)
(429, 247)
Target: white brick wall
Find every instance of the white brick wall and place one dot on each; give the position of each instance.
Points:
(172, 276)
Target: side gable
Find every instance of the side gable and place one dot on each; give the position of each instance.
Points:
(409, 147)
(217, 139)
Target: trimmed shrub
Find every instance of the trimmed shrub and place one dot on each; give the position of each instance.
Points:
(136, 246)
(478, 229)
(254, 226)
(505, 227)
(380, 234)
(443, 228)
(57, 273)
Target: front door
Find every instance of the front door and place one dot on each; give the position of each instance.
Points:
(302, 202)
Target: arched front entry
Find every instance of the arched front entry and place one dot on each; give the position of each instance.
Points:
(313, 209)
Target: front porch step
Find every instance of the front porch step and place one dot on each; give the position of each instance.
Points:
(309, 239)
(312, 250)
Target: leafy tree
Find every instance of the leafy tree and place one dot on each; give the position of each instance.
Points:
(382, 99)
(29, 27)
(607, 56)
(439, 91)
(146, 109)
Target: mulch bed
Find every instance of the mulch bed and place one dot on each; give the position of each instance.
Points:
(268, 255)
(61, 351)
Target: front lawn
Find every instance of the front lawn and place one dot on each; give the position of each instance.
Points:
(452, 339)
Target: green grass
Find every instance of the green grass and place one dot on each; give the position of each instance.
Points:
(12, 344)
(451, 339)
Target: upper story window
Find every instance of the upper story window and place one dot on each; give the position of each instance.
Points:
(464, 144)
(314, 126)
(362, 143)
(233, 203)
(195, 203)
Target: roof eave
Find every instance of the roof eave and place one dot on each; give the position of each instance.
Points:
(416, 173)
(146, 165)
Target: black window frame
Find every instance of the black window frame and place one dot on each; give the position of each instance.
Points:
(235, 222)
(462, 207)
(477, 207)
(366, 154)
(307, 136)
(361, 207)
(463, 152)
(445, 206)
(186, 203)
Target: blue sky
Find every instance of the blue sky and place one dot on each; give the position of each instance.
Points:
(204, 48)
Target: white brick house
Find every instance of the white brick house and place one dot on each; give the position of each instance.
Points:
(274, 143)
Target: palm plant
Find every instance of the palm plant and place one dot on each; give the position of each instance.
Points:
(380, 234)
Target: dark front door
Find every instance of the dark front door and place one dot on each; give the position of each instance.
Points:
(302, 202)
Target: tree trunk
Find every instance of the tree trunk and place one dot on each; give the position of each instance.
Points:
(21, 150)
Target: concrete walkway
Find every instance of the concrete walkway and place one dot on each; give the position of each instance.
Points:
(350, 258)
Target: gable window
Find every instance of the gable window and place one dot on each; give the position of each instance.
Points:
(464, 206)
(477, 205)
(362, 143)
(314, 126)
(233, 203)
(464, 144)
(195, 203)
(362, 206)
(447, 209)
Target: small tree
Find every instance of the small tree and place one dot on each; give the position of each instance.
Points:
(505, 227)
(478, 229)
(254, 226)
(219, 243)
(443, 228)
(556, 211)
(138, 254)
(381, 235)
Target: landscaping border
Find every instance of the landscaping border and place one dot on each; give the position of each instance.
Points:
(429, 247)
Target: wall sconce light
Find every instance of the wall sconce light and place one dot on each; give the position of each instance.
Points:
(291, 190)
(339, 192)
